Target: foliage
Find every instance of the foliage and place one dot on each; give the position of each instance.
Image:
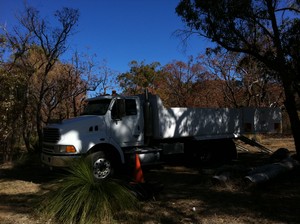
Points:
(34, 49)
(139, 77)
(246, 82)
(265, 30)
(36, 86)
(52, 43)
(180, 81)
(79, 198)
(216, 79)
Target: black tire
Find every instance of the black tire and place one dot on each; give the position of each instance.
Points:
(224, 151)
(198, 153)
(102, 165)
(210, 152)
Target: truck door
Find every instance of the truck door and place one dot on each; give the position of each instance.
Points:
(126, 122)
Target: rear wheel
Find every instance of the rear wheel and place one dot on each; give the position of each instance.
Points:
(210, 152)
(224, 151)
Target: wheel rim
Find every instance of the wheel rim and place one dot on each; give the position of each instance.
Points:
(101, 168)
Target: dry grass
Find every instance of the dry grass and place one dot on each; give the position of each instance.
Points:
(189, 194)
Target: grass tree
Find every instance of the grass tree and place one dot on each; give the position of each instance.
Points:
(79, 198)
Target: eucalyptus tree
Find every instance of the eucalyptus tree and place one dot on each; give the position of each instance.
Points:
(139, 77)
(268, 30)
(34, 48)
(52, 42)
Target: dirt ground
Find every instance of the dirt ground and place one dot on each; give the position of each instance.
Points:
(189, 194)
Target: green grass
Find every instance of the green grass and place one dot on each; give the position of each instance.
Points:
(78, 198)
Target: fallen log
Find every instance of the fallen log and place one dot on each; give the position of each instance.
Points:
(270, 171)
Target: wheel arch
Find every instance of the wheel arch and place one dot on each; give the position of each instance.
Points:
(109, 150)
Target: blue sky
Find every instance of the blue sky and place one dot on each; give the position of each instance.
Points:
(119, 31)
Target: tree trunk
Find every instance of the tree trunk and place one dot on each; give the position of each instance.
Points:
(74, 106)
(39, 126)
(291, 107)
(26, 138)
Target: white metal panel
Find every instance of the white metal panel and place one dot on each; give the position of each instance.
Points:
(261, 120)
(206, 123)
(188, 122)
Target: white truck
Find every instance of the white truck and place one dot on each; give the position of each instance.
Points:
(113, 129)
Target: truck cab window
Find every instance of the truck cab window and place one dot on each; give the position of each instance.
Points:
(96, 107)
(118, 112)
(130, 107)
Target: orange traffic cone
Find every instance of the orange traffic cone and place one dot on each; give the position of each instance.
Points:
(138, 172)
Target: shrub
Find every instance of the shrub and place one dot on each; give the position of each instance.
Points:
(79, 198)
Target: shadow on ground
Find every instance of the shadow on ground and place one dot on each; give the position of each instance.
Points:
(189, 194)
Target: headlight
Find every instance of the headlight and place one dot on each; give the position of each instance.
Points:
(65, 149)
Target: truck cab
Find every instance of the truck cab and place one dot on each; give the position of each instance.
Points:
(108, 126)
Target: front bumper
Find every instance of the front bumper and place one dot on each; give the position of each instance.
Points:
(58, 161)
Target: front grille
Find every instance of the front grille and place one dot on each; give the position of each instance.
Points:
(48, 148)
(51, 135)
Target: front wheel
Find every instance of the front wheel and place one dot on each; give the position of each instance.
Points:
(102, 166)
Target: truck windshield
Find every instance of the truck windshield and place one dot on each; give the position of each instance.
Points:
(96, 107)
